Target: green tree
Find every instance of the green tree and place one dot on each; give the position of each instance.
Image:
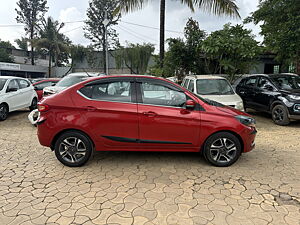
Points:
(51, 40)
(5, 56)
(98, 11)
(30, 13)
(280, 26)
(233, 48)
(217, 7)
(22, 43)
(135, 57)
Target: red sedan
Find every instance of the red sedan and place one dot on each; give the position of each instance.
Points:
(140, 113)
(40, 85)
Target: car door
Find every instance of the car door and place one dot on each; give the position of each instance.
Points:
(265, 94)
(26, 91)
(247, 90)
(14, 99)
(164, 123)
(110, 108)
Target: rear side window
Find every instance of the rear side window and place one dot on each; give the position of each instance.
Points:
(191, 86)
(23, 84)
(2, 83)
(250, 82)
(185, 84)
(42, 85)
(13, 84)
(113, 91)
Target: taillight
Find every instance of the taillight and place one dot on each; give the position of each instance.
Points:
(43, 107)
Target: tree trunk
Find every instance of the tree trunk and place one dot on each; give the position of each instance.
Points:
(104, 50)
(162, 32)
(49, 66)
(31, 40)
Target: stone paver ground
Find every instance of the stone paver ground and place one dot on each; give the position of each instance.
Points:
(263, 187)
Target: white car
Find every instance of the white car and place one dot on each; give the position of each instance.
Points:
(67, 81)
(15, 93)
(214, 88)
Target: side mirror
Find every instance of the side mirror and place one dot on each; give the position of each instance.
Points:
(53, 84)
(190, 104)
(12, 89)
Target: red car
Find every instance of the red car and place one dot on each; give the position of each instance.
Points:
(40, 85)
(140, 113)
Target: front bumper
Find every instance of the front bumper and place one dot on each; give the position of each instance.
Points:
(248, 135)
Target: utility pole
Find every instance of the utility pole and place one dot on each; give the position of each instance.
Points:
(105, 23)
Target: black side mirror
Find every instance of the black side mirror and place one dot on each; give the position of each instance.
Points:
(12, 89)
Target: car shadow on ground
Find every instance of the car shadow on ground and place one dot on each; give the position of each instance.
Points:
(15, 115)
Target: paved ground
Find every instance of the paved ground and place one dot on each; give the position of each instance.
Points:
(263, 187)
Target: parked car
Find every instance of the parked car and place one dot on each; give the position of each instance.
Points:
(40, 85)
(278, 94)
(140, 113)
(66, 82)
(215, 88)
(15, 93)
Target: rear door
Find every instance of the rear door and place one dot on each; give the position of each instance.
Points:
(26, 90)
(110, 108)
(247, 90)
(164, 123)
(265, 94)
(14, 99)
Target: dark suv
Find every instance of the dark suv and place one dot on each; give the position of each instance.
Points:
(278, 94)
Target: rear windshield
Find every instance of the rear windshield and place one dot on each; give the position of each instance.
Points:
(70, 80)
(287, 82)
(2, 83)
(214, 87)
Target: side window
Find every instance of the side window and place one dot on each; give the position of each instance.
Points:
(42, 85)
(185, 85)
(250, 82)
(113, 91)
(13, 84)
(155, 94)
(263, 83)
(191, 85)
(23, 84)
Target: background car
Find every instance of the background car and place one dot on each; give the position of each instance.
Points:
(67, 81)
(278, 94)
(215, 88)
(40, 85)
(140, 113)
(16, 93)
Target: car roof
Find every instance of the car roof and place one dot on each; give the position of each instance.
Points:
(84, 74)
(205, 77)
(12, 77)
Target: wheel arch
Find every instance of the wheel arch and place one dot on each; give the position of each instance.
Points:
(228, 131)
(273, 104)
(68, 130)
(5, 103)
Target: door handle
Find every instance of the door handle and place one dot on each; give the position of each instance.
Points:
(150, 114)
(91, 108)
(242, 92)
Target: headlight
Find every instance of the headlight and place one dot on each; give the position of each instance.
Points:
(246, 120)
(240, 106)
(294, 97)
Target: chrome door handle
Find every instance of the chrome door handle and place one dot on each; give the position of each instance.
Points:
(150, 114)
(91, 108)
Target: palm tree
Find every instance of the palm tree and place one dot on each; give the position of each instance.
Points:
(51, 40)
(217, 7)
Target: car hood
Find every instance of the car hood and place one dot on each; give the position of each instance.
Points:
(54, 89)
(224, 99)
(292, 91)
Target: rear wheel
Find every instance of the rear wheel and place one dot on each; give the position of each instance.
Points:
(280, 115)
(73, 149)
(222, 149)
(33, 105)
(3, 112)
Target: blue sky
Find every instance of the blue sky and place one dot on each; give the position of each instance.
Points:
(176, 18)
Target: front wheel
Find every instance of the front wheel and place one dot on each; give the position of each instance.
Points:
(222, 149)
(33, 105)
(3, 112)
(73, 149)
(280, 115)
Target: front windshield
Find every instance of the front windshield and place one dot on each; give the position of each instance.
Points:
(2, 83)
(287, 82)
(70, 80)
(214, 87)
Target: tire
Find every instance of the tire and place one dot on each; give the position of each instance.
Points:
(3, 112)
(71, 154)
(33, 105)
(222, 149)
(280, 115)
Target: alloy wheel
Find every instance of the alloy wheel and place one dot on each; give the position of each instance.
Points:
(223, 150)
(3, 112)
(72, 149)
(278, 114)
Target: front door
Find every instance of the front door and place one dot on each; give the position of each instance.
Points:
(164, 123)
(14, 98)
